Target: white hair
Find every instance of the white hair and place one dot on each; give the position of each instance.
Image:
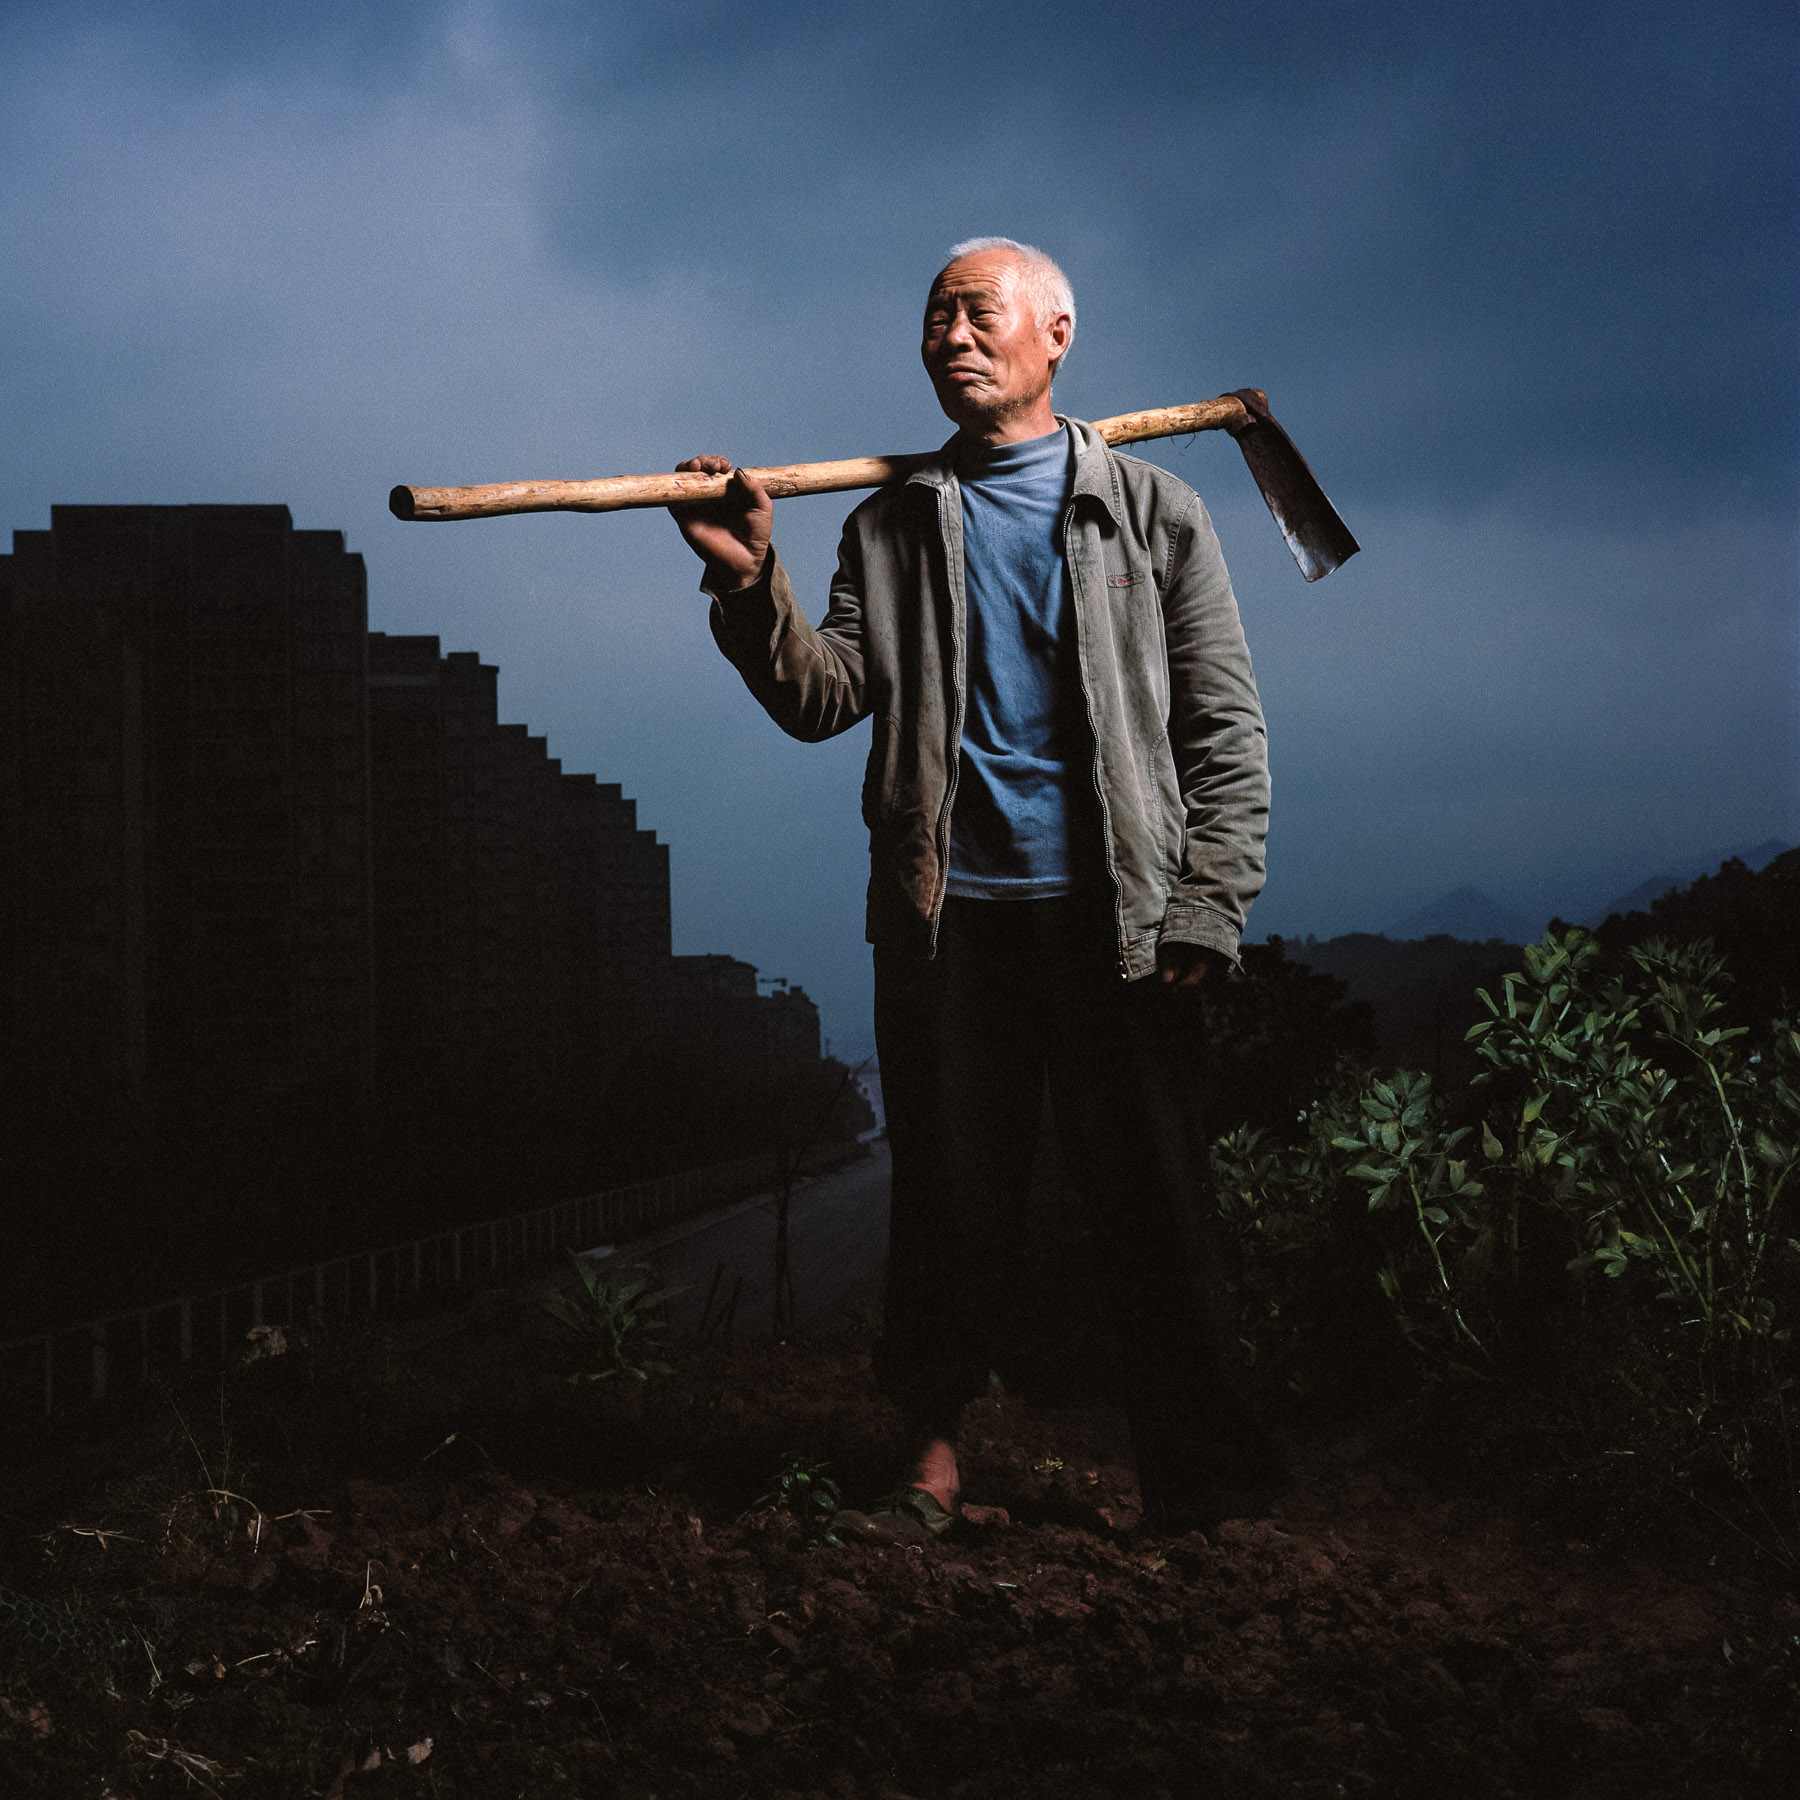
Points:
(1045, 285)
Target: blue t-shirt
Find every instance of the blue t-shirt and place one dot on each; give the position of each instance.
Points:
(1024, 781)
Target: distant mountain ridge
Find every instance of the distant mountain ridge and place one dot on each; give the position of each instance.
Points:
(1420, 980)
(1465, 913)
(1638, 899)
(1469, 915)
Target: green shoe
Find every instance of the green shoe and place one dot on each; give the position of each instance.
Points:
(909, 1515)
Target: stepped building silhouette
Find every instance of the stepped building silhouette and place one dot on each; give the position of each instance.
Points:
(184, 785)
(245, 844)
(521, 918)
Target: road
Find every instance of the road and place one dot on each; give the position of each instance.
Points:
(837, 1235)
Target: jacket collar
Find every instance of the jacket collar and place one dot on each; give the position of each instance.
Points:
(1095, 477)
(1096, 474)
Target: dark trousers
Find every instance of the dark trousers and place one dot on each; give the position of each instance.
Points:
(1018, 992)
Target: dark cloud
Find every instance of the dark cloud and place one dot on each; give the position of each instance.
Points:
(1517, 238)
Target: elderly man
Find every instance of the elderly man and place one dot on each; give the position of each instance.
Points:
(1066, 796)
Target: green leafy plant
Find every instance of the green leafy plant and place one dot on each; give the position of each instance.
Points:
(1277, 1199)
(1408, 1161)
(1671, 1146)
(611, 1327)
(1607, 1211)
(804, 1491)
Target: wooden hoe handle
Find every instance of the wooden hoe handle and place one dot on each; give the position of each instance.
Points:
(614, 493)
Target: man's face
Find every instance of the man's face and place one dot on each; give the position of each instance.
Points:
(987, 356)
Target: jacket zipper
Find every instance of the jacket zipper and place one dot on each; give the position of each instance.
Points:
(959, 688)
(1087, 702)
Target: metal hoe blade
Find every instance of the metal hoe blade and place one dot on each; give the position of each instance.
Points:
(1319, 539)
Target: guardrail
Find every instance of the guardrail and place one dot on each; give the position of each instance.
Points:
(98, 1357)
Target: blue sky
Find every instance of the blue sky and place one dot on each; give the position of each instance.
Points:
(1522, 281)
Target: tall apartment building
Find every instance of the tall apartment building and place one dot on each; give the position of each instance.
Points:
(247, 846)
(183, 804)
(521, 917)
(298, 942)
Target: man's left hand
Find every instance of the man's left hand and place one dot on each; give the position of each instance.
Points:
(1183, 965)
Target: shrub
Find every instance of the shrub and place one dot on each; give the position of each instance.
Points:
(1614, 1190)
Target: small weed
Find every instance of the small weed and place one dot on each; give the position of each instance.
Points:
(612, 1327)
(806, 1493)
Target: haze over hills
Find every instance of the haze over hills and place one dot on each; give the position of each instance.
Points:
(1423, 993)
(1466, 913)
(1638, 899)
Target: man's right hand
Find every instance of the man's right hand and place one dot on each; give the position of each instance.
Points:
(731, 536)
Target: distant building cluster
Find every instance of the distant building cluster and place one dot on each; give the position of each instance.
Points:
(244, 840)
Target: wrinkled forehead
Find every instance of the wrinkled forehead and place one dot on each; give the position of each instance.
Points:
(988, 272)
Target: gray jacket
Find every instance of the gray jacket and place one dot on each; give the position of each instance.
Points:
(1180, 765)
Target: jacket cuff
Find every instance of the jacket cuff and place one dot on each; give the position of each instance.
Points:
(728, 597)
(743, 619)
(1188, 922)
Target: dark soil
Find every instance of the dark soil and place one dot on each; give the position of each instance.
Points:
(504, 1586)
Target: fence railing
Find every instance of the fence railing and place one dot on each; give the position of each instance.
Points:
(86, 1362)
